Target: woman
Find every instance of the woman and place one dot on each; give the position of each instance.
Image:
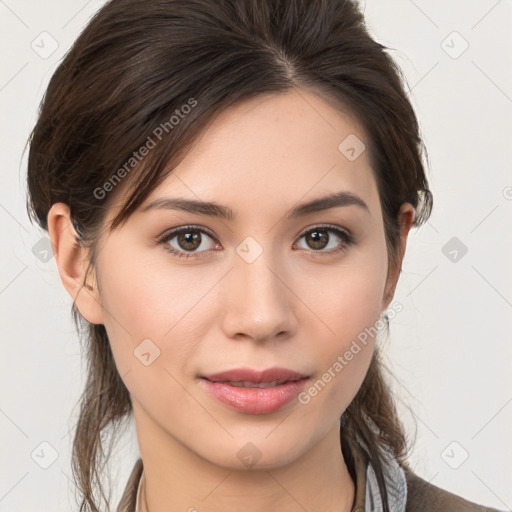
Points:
(228, 187)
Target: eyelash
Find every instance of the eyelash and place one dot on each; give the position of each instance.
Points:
(345, 236)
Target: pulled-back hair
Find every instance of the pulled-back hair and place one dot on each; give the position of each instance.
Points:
(162, 71)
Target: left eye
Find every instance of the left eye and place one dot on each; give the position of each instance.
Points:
(320, 238)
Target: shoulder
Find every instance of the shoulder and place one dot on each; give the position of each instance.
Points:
(423, 496)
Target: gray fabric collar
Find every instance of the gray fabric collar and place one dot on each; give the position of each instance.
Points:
(396, 486)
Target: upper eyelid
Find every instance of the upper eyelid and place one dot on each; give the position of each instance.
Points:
(171, 233)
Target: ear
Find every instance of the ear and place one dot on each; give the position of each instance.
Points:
(72, 260)
(406, 218)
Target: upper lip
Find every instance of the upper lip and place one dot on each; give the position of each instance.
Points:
(256, 376)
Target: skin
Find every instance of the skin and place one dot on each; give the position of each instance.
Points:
(290, 307)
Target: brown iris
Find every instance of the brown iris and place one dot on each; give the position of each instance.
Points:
(319, 238)
(189, 240)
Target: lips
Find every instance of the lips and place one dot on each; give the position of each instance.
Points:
(239, 389)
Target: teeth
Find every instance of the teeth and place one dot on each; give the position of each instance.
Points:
(248, 384)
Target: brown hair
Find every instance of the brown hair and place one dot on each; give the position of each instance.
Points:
(163, 70)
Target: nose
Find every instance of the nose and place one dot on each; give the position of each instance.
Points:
(258, 301)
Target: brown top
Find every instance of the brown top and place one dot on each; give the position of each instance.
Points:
(421, 495)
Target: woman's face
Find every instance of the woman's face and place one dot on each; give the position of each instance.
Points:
(276, 284)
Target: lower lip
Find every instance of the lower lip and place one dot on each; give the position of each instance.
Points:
(255, 400)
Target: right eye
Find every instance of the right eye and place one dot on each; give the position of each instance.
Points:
(184, 242)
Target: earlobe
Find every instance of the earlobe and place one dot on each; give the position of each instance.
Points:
(406, 217)
(72, 262)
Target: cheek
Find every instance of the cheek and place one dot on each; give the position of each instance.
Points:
(343, 357)
(351, 305)
(349, 298)
(145, 295)
(153, 329)
(157, 314)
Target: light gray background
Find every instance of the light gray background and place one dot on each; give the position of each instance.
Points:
(450, 348)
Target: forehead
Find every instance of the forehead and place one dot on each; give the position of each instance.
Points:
(267, 154)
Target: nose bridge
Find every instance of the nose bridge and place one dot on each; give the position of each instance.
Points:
(259, 299)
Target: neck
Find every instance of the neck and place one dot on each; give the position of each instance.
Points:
(176, 478)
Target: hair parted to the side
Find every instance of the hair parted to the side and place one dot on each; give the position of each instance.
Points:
(136, 65)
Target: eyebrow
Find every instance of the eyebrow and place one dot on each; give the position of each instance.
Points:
(216, 210)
